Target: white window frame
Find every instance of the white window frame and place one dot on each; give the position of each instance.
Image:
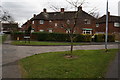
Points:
(87, 31)
(50, 30)
(32, 31)
(41, 30)
(116, 24)
(41, 21)
(56, 24)
(87, 21)
(68, 31)
(33, 22)
(97, 25)
(50, 21)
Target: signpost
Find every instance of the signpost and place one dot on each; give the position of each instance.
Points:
(27, 36)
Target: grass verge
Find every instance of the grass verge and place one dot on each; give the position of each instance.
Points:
(45, 43)
(88, 64)
(2, 38)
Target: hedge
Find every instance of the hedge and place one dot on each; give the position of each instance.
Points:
(101, 38)
(43, 36)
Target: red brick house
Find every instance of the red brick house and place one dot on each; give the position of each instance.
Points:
(57, 22)
(9, 27)
(113, 24)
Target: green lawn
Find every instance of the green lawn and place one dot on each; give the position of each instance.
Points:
(44, 43)
(88, 64)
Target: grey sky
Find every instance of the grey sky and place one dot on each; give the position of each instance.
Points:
(119, 8)
(22, 10)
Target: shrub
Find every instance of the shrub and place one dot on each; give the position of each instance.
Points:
(14, 35)
(101, 38)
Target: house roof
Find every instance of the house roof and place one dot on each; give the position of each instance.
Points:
(62, 15)
(110, 19)
(9, 24)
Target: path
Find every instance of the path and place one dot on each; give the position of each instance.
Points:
(113, 69)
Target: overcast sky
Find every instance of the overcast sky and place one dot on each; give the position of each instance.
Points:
(23, 10)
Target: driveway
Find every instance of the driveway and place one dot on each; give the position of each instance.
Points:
(11, 54)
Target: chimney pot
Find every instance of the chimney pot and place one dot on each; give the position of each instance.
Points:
(34, 15)
(79, 8)
(62, 9)
(44, 10)
(108, 13)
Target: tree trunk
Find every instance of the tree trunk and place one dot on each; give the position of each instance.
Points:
(71, 45)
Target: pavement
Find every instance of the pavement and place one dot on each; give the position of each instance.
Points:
(113, 70)
(11, 54)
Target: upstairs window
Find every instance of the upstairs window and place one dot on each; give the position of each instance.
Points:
(41, 21)
(33, 22)
(87, 21)
(116, 24)
(56, 24)
(97, 25)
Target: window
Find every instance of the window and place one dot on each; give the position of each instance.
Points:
(55, 24)
(68, 31)
(97, 25)
(41, 21)
(32, 31)
(50, 21)
(68, 21)
(50, 30)
(41, 30)
(116, 24)
(87, 32)
(33, 22)
(87, 21)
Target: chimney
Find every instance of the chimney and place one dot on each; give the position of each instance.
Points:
(79, 8)
(34, 15)
(62, 9)
(45, 10)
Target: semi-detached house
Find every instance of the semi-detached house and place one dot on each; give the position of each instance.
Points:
(86, 24)
(57, 22)
(113, 24)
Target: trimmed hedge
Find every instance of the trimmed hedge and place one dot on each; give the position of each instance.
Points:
(14, 35)
(42, 36)
(101, 38)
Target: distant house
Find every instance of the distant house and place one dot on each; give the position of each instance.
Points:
(113, 23)
(9, 27)
(56, 22)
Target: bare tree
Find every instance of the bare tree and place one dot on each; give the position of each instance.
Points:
(8, 18)
(94, 13)
(70, 24)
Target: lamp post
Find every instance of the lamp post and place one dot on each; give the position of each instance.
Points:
(106, 36)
